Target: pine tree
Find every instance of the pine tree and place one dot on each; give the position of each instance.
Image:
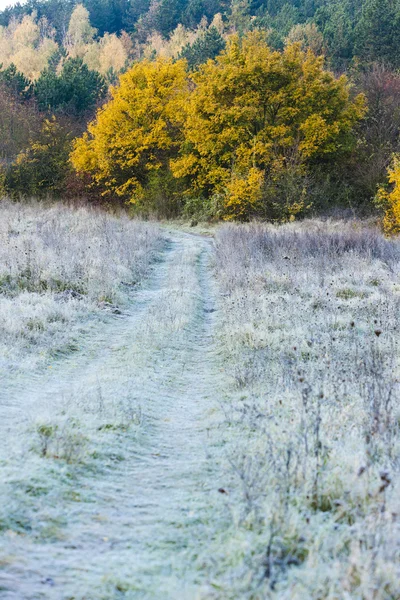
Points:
(207, 46)
(75, 91)
(16, 82)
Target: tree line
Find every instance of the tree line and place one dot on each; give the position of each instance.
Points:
(366, 30)
(253, 126)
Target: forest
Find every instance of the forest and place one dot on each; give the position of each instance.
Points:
(236, 110)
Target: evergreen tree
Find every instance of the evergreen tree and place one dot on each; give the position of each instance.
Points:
(207, 46)
(168, 16)
(377, 34)
(75, 91)
(16, 82)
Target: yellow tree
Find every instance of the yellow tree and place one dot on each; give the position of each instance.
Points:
(251, 111)
(28, 44)
(389, 199)
(136, 133)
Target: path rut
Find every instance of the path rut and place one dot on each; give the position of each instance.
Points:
(134, 524)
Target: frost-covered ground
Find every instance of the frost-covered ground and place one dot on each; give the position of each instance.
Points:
(310, 318)
(108, 486)
(58, 268)
(184, 418)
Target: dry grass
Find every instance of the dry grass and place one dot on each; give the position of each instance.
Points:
(104, 478)
(310, 333)
(58, 267)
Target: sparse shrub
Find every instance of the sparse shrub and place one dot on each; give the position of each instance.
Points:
(62, 441)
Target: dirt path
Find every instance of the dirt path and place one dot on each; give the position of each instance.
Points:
(131, 521)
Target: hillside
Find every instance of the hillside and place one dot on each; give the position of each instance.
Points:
(366, 29)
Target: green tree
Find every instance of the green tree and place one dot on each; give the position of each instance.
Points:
(16, 82)
(206, 46)
(239, 15)
(377, 34)
(75, 91)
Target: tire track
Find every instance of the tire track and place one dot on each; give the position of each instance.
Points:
(135, 526)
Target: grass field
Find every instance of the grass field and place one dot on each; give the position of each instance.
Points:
(310, 334)
(58, 268)
(185, 416)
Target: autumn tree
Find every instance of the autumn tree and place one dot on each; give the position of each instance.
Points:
(308, 36)
(255, 114)
(128, 147)
(241, 134)
(80, 32)
(107, 55)
(28, 44)
(388, 198)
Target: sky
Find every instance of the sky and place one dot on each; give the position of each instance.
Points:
(6, 3)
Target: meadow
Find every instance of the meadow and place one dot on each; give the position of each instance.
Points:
(197, 416)
(199, 310)
(310, 332)
(60, 267)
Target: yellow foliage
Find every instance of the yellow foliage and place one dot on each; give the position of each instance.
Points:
(243, 193)
(253, 106)
(28, 44)
(137, 131)
(241, 131)
(390, 200)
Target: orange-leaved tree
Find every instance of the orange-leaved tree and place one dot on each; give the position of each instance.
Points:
(128, 147)
(256, 116)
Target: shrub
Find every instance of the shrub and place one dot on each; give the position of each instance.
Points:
(42, 168)
(129, 145)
